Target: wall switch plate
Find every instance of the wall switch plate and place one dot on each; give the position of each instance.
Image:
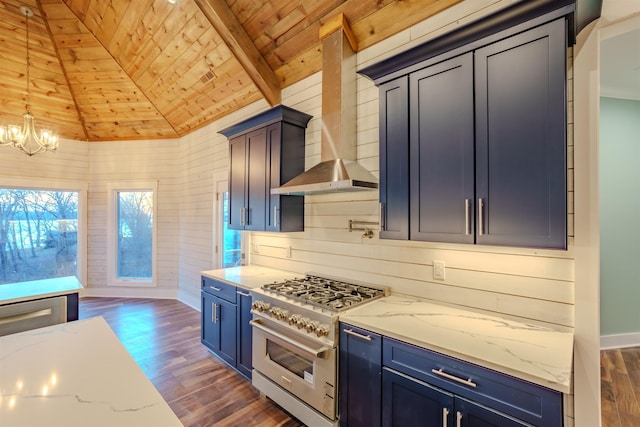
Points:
(288, 249)
(438, 270)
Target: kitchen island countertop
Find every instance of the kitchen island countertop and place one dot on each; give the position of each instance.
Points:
(76, 374)
(533, 353)
(250, 276)
(25, 291)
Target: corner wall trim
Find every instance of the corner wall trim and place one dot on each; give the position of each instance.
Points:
(620, 341)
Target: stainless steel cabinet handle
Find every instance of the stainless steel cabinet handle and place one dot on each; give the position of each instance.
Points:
(382, 224)
(215, 289)
(466, 382)
(357, 335)
(480, 217)
(445, 414)
(214, 309)
(244, 294)
(25, 316)
(467, 225)
(275, 216)
(241, 216)
(458, 419)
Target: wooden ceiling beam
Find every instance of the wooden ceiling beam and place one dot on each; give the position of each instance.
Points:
(234, 35)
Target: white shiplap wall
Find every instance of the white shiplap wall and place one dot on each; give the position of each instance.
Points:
(527, 284)
(113, 162)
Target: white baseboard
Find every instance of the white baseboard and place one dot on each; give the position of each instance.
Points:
(126, 292)
(620, 340)
(188, 299)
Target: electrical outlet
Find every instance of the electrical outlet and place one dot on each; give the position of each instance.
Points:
(438, 270)
(288, 251)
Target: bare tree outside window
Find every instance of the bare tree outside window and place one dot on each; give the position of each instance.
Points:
(38, 234)
(135, 234)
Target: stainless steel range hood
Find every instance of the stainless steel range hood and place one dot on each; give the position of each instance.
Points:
(338, 169)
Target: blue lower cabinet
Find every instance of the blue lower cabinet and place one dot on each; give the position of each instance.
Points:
(410, 402)
(387, 382)
(244, 333)
(360, 377)
(472, 414)
(225, 328)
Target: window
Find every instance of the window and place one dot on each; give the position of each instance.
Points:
(228, 243)
(132, 231)
(231, 239)
(41, 230)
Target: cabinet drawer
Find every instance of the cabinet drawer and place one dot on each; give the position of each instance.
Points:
(27, 315)
(219, 289)
(529, 402)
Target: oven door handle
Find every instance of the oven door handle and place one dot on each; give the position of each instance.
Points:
(317, 353)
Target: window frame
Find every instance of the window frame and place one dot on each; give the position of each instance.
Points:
(60, 185)
(113, 189)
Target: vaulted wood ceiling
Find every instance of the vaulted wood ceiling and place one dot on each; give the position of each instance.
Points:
(146, 69)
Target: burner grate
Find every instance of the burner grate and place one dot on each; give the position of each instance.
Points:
(323, 292)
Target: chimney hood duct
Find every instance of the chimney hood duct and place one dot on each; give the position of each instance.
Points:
(338, 169)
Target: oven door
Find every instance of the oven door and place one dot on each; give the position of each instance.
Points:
(302, 367)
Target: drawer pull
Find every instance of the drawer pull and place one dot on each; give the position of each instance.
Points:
(445, 414)
(458, 419)
(25, 316)
(215, 289)
(244, 294)
(466, 382)
(357, 335)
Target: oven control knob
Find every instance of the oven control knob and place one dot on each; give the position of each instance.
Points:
(274, 311)
(311, 326)
(322, 331)
(303, 322)
(261, 306)
(293, 319)
(282, 314)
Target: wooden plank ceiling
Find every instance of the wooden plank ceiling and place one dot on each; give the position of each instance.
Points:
(104, 70)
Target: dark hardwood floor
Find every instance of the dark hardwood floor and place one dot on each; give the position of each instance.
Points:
(163, 336)
(620, 387)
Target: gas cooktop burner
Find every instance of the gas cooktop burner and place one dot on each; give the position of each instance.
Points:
(323, 292)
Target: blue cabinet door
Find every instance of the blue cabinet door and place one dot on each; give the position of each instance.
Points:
(209, 328)
(394, 159)
(256, 180)
(410, 402)
(237, 182)
(244, 333)
(521, 139)
(470, 414)
(442, 152)
(226, 316)
(360, 377)
(218, 327)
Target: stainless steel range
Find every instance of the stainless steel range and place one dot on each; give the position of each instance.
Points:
(295, 342)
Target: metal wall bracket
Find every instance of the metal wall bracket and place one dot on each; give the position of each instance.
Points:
(368, 232)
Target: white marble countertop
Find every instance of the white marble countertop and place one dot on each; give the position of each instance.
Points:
(249, 276)
(76, 374)
(533, 353)
(25, 291)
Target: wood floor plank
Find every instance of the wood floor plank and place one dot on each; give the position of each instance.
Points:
(163, 337)
(620, 387)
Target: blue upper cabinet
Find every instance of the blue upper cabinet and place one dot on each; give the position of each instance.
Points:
(521, 139)
(442, 151)
(394, 158)
(473, 139)
(265, 151)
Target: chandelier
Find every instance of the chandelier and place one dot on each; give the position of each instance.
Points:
(26, 138)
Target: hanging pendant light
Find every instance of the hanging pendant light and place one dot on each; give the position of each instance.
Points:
(26, 139)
